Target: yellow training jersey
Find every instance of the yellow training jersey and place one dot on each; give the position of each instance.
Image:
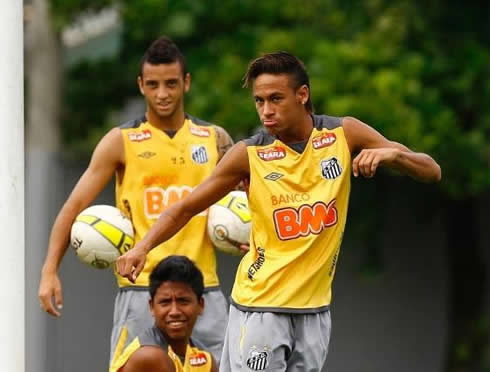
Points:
(298, 201)
(196, 359)
(160, 170)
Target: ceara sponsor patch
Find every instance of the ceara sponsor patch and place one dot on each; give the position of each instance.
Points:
(323, 140)
(272, 153)
(199, 359)
(200, 131)
(144, 135)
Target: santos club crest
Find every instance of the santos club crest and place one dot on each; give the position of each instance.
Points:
(199, 154)
(258, 359)
(331, 168)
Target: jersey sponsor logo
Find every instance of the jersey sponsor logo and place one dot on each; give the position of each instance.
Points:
(335, 258)
(157, 199)
(199, 359)
(159, 180)
(258, 359)
(147, 154)
(200, 131)
(323, 140)
(291, 223)
(274, 176)
(272, 153)
(257, 264)
(331, 168)
(290, 198)
(199, 154)
(144, 135)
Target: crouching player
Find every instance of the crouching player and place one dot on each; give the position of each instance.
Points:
(176, 288)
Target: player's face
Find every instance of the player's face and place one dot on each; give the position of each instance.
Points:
(279, 105)
(175, 308)
(164, 86)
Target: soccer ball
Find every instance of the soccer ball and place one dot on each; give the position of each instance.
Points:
(100, 234)
(229, 222)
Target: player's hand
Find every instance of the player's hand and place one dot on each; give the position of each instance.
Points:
(244, 248)
(367, 161)
(50, 287)
(130, 264)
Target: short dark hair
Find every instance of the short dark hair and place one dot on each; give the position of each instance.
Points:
(178, 269)
(163, 51)
(278, 63)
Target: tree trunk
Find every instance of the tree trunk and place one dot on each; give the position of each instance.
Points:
(466, 334)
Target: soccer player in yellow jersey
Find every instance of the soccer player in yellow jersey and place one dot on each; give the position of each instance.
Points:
(176, 301)
(158, 159)
(299, 169)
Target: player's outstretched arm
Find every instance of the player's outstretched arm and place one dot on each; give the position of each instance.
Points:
(149, 359)
(107, 157)
(227, 174)
(375, 150)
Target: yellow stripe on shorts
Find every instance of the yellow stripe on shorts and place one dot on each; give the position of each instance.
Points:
(243, 332)
(121, 341)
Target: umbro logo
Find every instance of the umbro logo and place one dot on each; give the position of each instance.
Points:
(147, 154)
(273, 176)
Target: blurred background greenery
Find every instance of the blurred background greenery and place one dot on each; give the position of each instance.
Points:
(417, 71)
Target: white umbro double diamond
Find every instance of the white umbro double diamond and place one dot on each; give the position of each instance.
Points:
(273, 176)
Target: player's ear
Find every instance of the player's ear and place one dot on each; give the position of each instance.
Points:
(302, 94)
(139, 80)
(150, 304)
(201, 305)
(187, 82)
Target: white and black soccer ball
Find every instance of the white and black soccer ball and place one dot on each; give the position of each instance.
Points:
(100, 234)
(229, 222)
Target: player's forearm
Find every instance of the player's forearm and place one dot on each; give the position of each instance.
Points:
(59, 240)
(419, 166)
(166, 226)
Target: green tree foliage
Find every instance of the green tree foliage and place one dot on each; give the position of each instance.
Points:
(418, 72)
(402, 68)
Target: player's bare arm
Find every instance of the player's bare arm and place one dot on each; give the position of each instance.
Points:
(214, 366)
(224, 143)
(223, 140)
(149, 359)
(108, 157)
(375, 150)
(227, 174)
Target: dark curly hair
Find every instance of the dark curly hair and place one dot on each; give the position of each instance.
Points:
(280, 63)
(178, 269)
(163, 51)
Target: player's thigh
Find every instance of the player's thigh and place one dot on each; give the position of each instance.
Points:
(131, 314)
(210, 327)
(215, 315)
(312, 335)
(258, 341)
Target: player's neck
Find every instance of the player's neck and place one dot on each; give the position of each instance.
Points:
(179, 347)
(300, 132)
(173, 122)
